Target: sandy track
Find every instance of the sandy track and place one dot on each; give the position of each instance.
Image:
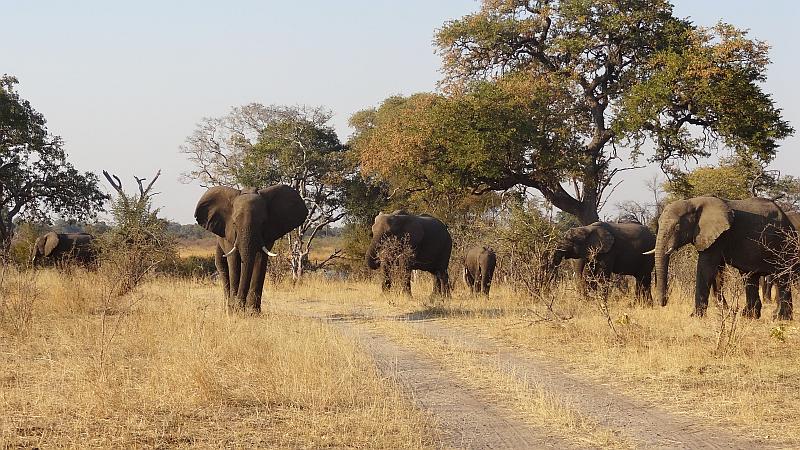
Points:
(644, 424)
(466, 419)
(473, 421)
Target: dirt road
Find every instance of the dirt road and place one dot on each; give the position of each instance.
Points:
(471, 417)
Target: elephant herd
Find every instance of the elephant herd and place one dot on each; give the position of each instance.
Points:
(755, 236)
(749, 235)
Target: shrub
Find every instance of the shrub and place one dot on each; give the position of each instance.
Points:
(138, 242)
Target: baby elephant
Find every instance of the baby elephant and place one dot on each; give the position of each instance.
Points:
(479, 264)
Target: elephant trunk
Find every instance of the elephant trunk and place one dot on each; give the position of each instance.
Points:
(250, 252)
(662, 269)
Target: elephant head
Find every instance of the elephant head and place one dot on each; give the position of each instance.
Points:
(44, 247)
(699, 220)
(581, 242)
(250, 221)
(397, 224)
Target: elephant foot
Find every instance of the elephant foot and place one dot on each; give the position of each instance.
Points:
(751, 313)
(698, 312)
(782, 315)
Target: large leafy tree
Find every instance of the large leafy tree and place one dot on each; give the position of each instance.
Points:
(256, 145)
(736, 178)
(543, 93)
(36, 180)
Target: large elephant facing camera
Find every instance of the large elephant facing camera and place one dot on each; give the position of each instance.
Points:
(54, 246)
(747, 234)
(247, 223)
(614, 248)
(430, 244)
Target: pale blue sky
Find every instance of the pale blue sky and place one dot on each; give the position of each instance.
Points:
(124, 84)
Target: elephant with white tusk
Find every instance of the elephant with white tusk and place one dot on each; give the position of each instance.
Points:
(247, 223)
(747, 234)
(606, 248)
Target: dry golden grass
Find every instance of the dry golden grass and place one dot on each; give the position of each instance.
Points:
(658, 354)
(165, 367)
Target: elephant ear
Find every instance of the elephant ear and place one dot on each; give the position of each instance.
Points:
(601, 238)
(715, 217)
(407, 224)
(213, 210)
(50, 243)
(287, 211)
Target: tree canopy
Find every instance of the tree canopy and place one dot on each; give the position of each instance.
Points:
(543, 94)
(36, 179)
(258, 146)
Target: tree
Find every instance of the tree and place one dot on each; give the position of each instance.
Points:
(139, 240)
(543, 92)
(36, 180)
(257, 145)
(735, 178)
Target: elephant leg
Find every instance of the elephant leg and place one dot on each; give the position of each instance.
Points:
(407, 283)
(253, 303)
(387, 277)
(646, 283)
(476, 284)
(752, 307)
(717, 287)
(222, 270)
(234, 275)
(470, 281)
(445, 277)
(708, 264)
(784, 309)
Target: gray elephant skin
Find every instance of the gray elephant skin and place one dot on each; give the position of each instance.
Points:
(54, 246)
(746, 234)
(479, 265)
(430, 242)
(618, 248)
(766, 283)
(247, 223)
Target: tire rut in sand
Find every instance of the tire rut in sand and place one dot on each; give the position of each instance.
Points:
(644, 424)
(466, 419)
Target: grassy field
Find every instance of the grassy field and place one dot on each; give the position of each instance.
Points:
(165, 367)
(738, 374)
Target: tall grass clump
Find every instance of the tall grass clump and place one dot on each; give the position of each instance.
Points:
(395, 256)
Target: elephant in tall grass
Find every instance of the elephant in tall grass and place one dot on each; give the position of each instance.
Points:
(247, 223)
(606, 248)
(479, 264)
(429, 241)
(749, 235)
(52, 246)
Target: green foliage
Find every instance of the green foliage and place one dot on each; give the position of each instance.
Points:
(191, 267)
(36, 180)
(540, 92)
(733, 178)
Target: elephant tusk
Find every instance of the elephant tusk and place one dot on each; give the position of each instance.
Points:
(651, 252)
(232, 250)
(669, 251)
(269, 253)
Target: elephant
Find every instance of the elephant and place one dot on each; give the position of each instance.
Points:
(430, 244)
(766, 286)
(747, 234)
(617, 248)
(61, 246)
(479, 264)
(247, 223)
